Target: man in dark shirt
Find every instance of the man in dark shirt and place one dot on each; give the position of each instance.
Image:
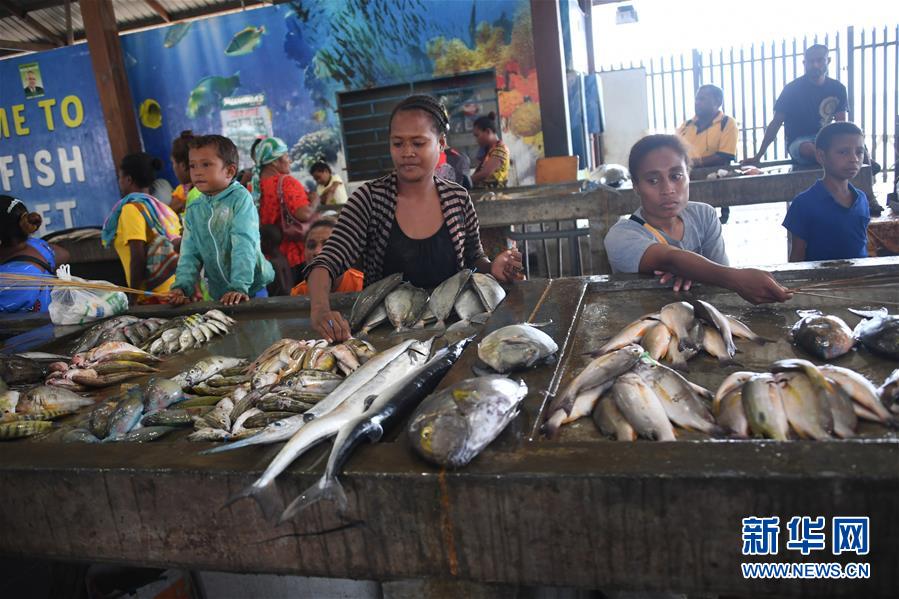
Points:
(804, 107)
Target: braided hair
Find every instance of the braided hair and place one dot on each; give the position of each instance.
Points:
(16, 223)
(486, 122)
(430, 106)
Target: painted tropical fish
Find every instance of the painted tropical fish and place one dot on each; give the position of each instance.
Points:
(245, 41)
(176, 33)
(150, 114)
(209, 92)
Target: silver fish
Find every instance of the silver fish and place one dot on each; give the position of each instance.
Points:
(741, 330)
(404, 306)
(764, 408)
(489, 291)
(207, 368)
(823, 336)
(861, 390)
(160, 393)
(126, 416)
(376, 318)
(656, 340)
(679, 317)
(443, 298)
(370, 297)
(878, 331)
(715, 345)
(680, 402)
(808, 412)
(45, 397)
(611, 422)
(639, 405)
(598, 376)
(515, 346)
(453, 426)
(730, 414)
(468, 305)
(629, 335)
(710, 314)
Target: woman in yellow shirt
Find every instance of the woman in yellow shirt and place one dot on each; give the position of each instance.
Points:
(493, 171)
(144, 232)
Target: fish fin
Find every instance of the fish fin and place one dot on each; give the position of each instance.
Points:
(266, 496)
(325, 488)
(369, 400)
(880, 312)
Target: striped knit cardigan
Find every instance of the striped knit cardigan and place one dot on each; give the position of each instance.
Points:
(367, 218)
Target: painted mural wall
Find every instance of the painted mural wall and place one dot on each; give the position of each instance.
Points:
(280, 68)
(54, 152)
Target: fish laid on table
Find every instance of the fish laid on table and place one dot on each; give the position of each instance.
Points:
(23, 428)
(388, 407)
(44, 397)
(867, 400)
(710, 314)
(207, 368)
(679, 318)
(878, 331)
(807, 411)
(764, 408)
(453, 426)
(468, 305)
(839, 401)
(444, 297)
(16, 370)
(488, 289)
(188, 332)
(889, 392)
(370, 297)
(405, 305)
(126, 415)
(821, 335)
(113, 351)
(376, 318)
(580, 396)
(680, 401)
(351, 401)
(637, 402)
(160, 393)
(515, 346)
(611, 422)
(91, 338)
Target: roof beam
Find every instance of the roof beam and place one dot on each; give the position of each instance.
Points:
(25, 46)
(30, 21)
(162, 12)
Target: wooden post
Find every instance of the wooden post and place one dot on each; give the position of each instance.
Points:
(112, 82)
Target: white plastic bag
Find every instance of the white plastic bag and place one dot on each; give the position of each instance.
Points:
(69, 305)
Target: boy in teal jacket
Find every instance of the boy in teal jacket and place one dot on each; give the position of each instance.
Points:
(221, 229)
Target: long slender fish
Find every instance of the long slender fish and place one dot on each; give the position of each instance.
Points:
(390, 406)
(321, 428)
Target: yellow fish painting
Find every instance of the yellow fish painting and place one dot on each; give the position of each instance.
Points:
(150, 114)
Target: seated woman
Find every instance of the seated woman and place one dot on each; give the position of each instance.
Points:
(144, 232)
(493, 171)
(22, 254)
(408, 221)
(274, 190)
(673, 237)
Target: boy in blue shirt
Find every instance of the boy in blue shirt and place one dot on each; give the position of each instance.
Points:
(829, 220)
(221, 229)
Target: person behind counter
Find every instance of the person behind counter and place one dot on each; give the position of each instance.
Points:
(144, 231)
(270, 238)
(350, 281)
(493, 170)
(185, 193)
(673, 237)
(22, 254)
(829, 220)
(275, 190)
(330, 188)
(221, 230)
(408, 221)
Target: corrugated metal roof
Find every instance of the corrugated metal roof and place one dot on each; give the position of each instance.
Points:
(130, 14)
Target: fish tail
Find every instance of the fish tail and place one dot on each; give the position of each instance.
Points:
(325, 488)
(229, 446)
(266, 496)
(553, 424)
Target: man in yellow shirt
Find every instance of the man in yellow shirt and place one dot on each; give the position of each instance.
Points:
(711, 135)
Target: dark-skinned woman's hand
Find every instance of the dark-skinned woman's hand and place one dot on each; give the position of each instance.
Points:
(507, 267)
(330, 324)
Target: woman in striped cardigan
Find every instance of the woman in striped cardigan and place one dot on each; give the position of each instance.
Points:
(408, 221)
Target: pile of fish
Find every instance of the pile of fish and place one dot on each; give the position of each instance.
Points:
(470, 295)
(288, 378)
(107, 364)
(125, 329)
(681, 330)
(516, 347)
(798, 399)
(452, 427)
(828, 337)
(188, 332)
(632, 395)
(23, 414)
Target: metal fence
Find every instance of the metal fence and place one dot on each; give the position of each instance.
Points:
(865, 61)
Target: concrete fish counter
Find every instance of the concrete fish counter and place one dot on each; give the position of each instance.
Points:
(578, 511)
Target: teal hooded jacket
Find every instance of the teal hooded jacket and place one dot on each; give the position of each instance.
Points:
(221, 233)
